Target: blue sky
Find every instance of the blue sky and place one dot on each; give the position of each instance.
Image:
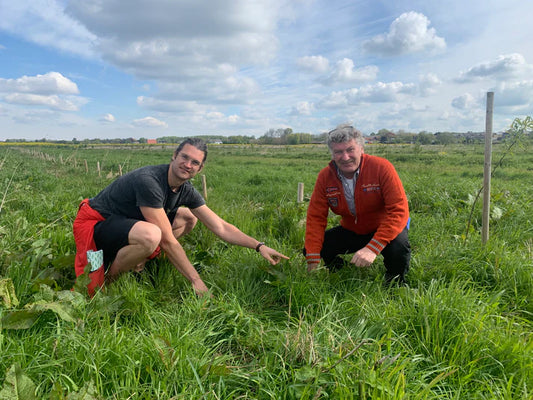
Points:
(151, 68)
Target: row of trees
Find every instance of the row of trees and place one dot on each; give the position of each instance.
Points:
(286, 136)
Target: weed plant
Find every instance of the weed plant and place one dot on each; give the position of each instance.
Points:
(461, 329)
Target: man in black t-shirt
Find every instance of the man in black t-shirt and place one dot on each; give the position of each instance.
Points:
(143, 212)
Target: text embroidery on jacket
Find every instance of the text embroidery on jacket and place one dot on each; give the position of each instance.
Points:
(371, 187)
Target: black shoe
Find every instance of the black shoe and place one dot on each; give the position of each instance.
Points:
(335, 265)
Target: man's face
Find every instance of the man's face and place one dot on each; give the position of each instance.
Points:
(188, 162)
(347, 156)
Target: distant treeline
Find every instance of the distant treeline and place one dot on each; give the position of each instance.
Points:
(287, 137)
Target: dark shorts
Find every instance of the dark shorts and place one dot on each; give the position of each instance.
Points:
(111, 235)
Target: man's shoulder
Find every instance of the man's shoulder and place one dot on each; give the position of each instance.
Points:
(329, 169)
(370, 159)
(151, 169)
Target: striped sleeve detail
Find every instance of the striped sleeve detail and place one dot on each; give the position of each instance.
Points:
(375, 246)
(312, 256)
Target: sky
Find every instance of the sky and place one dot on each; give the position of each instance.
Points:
(85, 69)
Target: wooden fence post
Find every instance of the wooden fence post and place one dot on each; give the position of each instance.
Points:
(487, 168)
(204, 187)
(300, 196)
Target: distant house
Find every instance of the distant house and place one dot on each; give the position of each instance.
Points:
(151, 141)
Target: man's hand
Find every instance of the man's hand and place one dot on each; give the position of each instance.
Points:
(200, 288)
(271, 255)
(312, 265)
(363, 257)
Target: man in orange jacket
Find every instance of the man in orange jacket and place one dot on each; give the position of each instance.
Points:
(368, 194)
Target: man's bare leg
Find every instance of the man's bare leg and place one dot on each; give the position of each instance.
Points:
(184, 222)
(144, 238)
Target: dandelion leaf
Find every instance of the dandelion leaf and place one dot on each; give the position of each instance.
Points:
(19, 319)
(17, 385)
(87, 392)
(64, 310)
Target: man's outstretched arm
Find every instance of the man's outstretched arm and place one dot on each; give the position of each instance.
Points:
(233, 235)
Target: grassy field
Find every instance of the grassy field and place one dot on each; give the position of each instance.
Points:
(462, 329)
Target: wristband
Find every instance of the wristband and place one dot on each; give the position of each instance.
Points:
(259, 246)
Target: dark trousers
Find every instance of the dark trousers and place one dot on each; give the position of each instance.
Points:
(396, 255)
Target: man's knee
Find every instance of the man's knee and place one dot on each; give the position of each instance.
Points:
(397, 254)
(184, 222)
(146, 234)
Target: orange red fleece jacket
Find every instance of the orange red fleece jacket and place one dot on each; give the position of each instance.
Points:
(381, 205)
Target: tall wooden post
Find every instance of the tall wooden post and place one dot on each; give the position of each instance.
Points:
(204, 187)
(300, 195)
(487, 168)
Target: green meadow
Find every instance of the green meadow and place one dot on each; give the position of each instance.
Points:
(461, 329)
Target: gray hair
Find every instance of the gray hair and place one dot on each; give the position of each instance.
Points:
(344, 133)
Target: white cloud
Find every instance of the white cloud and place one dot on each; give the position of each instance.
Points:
(379, 92)
(49, 83)
(51, 90)
(514, 94)
(53, 101)
(314, 64)
(303, 108)
(175, 96)
(181, 40)
(384, 92)
(428, 84)
(45, 22)
(409, 33)
(149, 122)
(107, 118)
(338, 99)
(168, 105)
(505, 66)
(345, 72)
(465, 101)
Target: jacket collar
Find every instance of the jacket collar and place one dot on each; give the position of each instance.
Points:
(334, 168)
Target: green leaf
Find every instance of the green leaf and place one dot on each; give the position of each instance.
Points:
(20, 319)
(7, 293)
(305, 374)
(83, 280)
(87, 392)
(64, 310)
(17, 385)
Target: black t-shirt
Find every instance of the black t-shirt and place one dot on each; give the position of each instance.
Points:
(144, 187)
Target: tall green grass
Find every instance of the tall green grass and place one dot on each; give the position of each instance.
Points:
(460, 330)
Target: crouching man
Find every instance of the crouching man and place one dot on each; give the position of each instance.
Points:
(148, 210)
(368, 194)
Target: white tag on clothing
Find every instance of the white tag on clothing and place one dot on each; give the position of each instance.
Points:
(96, 259)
